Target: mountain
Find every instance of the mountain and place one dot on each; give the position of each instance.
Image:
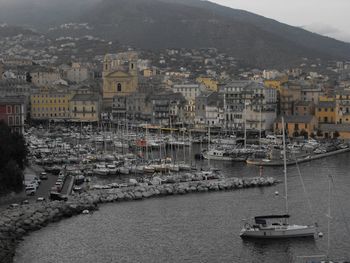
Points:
(11, 31)
(194, 23)
(42, 13)
(158, 24)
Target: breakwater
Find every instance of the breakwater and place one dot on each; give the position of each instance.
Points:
(20, 221)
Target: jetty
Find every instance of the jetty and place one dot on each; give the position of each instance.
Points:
(307, 158)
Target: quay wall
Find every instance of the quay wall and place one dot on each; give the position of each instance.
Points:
(19, 221)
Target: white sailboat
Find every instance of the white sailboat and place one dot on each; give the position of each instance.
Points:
(277, 226)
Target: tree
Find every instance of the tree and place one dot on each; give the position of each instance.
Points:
(304, 134)
(336, 135)
(295, 134)
(13, 158)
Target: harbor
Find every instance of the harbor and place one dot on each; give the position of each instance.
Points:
(211, 218)
(93, 167)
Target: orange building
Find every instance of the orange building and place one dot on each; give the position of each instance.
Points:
(296, 125)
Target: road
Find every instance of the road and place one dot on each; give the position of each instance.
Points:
(42, 191)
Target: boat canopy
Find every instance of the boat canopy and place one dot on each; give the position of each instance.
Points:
(261, 220)
(272, 216)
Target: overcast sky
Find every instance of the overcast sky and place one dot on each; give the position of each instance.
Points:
(326, 17)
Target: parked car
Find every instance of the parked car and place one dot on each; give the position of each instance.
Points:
(43, 176)
(30, 190)
(40, 199)
(36, 179)
(13, 205)
(58, 196)
(77, 189)
(25, 202)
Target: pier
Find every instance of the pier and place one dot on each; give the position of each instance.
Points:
(305, 159)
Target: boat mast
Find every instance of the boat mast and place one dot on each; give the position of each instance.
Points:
(209, 145)
(260, 126)
(245, 124)
(285, 165)
(146, 141)
(329, 216)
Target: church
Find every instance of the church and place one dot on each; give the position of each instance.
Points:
(120, 77)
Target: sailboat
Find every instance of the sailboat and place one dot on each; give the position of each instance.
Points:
(277, 226)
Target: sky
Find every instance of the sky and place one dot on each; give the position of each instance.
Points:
(326, 17)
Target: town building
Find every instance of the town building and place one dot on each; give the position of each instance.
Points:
(51, 103)
(85, 107)
(249, 104)
(326, 112)
(167, 108)
(304, 108)
(77, 73)
(45, 76)
(209, 83)
(13, 112)
(120, 77)
(1, 70)
(296, 125)
(343, 106)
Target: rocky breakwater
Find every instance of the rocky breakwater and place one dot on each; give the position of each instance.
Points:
(18, 221)
(115, 193)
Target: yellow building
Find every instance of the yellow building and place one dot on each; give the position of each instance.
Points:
(50, 103)
(209, 83)
(275, 83)
(85, 108)
(149, 72)
(326, 111)
(120, 76)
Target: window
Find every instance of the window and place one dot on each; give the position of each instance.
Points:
(296, 126)
(10, 120)
(119, 87)
(17, 120)
(8, 109)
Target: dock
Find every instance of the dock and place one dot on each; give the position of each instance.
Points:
(309, 158)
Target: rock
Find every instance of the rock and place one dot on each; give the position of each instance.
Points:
(147, 194)
(138, 195)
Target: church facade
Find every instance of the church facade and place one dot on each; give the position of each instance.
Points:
(120, 77)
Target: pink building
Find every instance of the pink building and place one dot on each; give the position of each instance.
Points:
(13, 113)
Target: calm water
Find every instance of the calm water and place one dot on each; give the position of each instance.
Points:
(203, 227)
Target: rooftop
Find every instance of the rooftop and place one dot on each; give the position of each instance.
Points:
(85, 97)
(12, 100)
(296, 119)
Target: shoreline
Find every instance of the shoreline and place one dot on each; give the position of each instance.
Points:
(17, 222)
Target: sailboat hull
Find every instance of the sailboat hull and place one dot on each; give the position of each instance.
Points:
(290, 231)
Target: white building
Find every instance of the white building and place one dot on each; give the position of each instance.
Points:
(77, 73)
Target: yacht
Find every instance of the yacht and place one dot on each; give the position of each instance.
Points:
(216, 154)
(277, 226)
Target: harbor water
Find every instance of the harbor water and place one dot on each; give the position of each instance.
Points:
(205, 227)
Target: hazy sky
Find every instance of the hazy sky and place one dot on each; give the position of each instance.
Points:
(326, 17)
